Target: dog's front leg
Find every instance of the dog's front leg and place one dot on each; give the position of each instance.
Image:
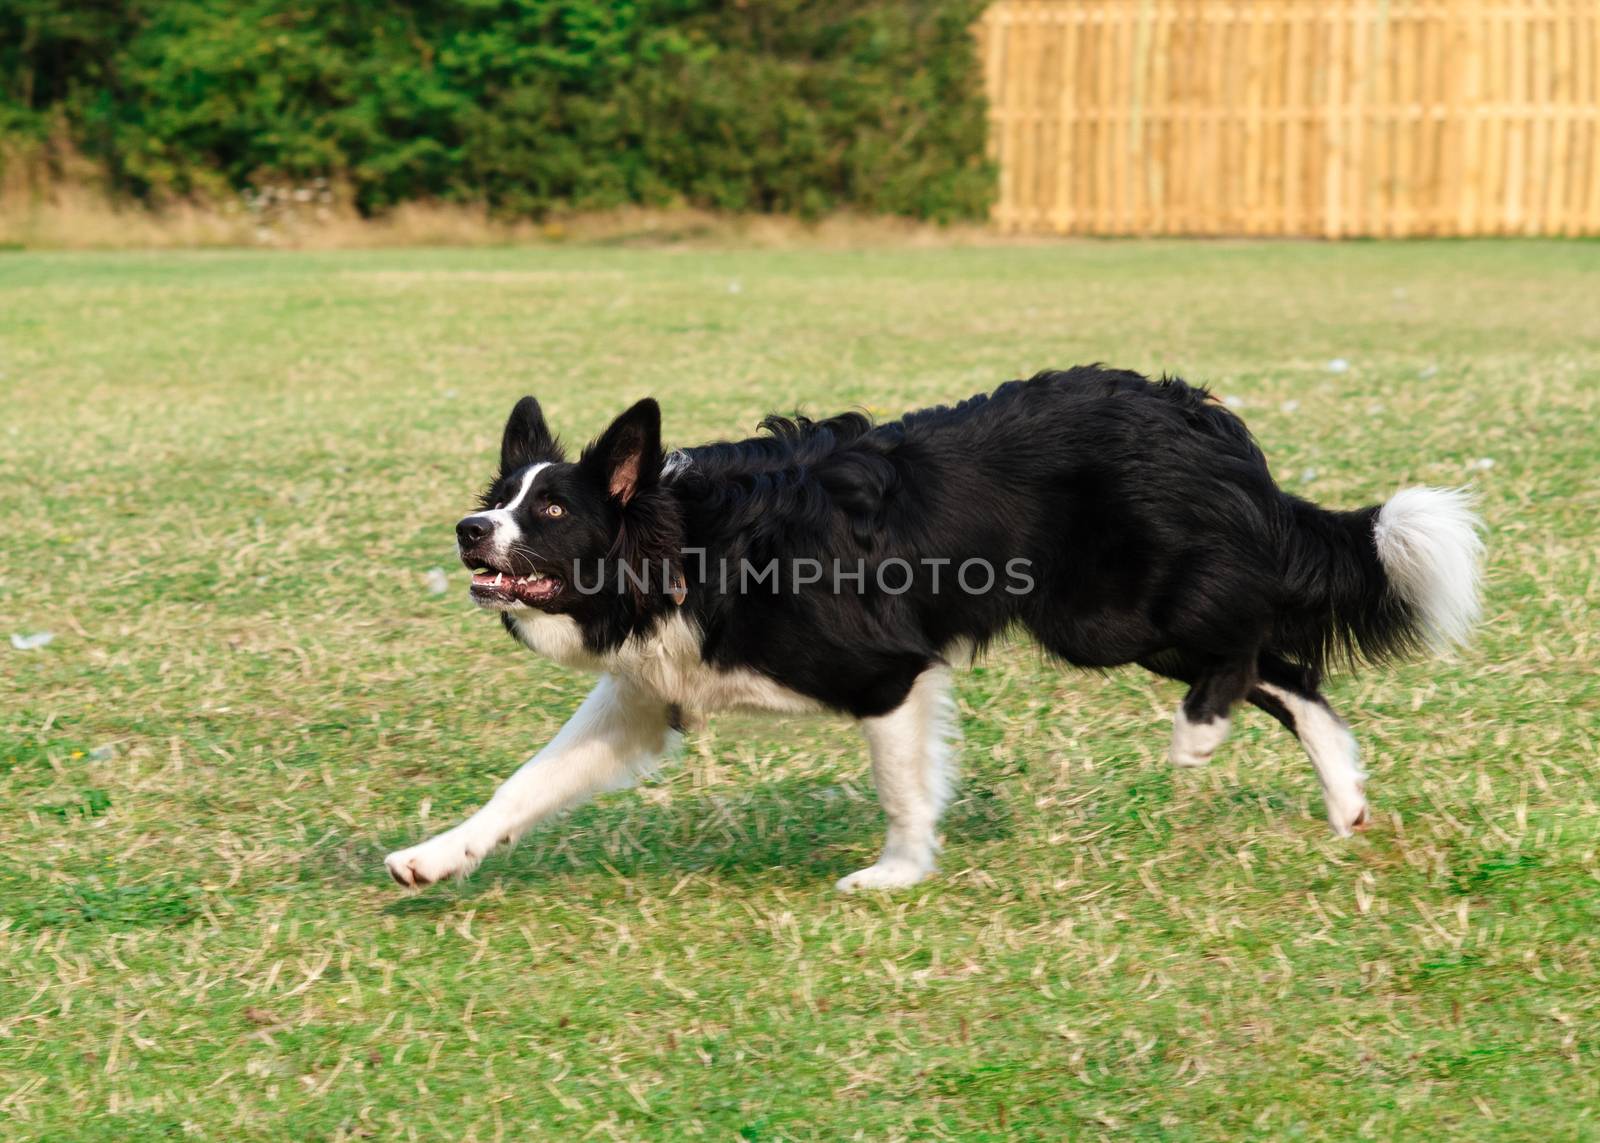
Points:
(617, 733)
(913, 769)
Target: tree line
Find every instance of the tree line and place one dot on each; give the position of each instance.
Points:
(801, 106)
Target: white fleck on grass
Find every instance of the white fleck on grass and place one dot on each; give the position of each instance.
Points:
(32, 642)
(1338, 365)
(1290, 406)
(438, 581)
(1482, 464)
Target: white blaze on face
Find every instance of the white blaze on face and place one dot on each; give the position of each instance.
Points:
(506, 531)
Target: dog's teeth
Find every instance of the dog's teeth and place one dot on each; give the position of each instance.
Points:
(497, 578)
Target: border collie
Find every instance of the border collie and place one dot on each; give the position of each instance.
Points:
(838, 565)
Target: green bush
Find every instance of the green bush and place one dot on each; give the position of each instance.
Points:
(768, 105)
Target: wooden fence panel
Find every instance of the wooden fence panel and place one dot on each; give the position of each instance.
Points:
(1332, 118)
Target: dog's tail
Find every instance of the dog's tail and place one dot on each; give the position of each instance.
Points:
(1380, 582)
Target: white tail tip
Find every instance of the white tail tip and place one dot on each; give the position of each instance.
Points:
(1430, 549)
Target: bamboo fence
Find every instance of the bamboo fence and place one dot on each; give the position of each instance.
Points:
(1295, 117)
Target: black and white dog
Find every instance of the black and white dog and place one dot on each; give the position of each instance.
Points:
(843, 566)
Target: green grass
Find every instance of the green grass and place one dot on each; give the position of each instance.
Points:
(223, 478)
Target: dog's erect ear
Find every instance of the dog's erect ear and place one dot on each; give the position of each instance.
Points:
(627, 458)
(527, 438)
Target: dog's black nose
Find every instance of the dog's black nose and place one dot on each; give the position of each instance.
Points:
(473, 530)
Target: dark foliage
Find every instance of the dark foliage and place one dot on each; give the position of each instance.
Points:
(781, 105)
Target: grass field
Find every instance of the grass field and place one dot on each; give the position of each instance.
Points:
(224, 478)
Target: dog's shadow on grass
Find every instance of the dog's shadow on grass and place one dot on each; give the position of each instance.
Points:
(792, 833)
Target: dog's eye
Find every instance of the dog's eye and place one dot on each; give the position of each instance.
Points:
(554, 510)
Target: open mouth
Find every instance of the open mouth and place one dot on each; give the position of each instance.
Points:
(498, 589)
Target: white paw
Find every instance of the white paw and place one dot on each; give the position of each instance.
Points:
(1188, 758)
(890, 873)
(1193, 743)
(1347, 811)
(449, 855)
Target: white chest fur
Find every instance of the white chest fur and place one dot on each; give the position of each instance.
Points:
(667, 664)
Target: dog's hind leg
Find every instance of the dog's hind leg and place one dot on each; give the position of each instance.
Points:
(1289, 694)
(1201, 720)
(912, 766)
(617, 732)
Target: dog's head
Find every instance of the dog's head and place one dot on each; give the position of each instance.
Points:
(544, 520)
